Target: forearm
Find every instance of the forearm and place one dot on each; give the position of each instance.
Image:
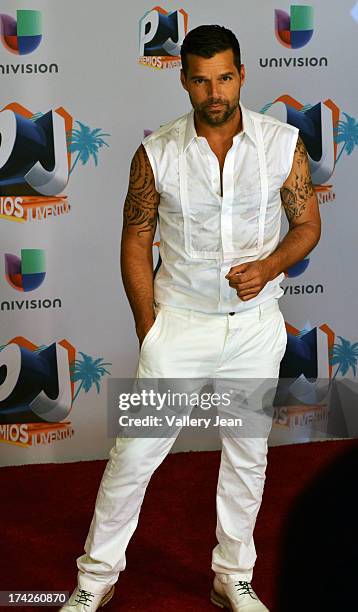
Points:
(137, 276)
(298, 242)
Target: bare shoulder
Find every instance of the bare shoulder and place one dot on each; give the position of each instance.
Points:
(141, 204)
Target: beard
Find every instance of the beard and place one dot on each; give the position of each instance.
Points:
(215, 117)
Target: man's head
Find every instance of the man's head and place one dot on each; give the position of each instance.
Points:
(212, 72)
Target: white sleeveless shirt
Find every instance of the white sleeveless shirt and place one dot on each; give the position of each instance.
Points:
(204, 234)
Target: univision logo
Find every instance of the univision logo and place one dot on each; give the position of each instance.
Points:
(28, 272)
(22, 35)
(294, 30)
(298, 268)
(303, 289)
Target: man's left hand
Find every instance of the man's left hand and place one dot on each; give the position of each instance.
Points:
(249, 278)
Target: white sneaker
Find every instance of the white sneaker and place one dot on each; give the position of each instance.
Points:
(237, 596)
(84, 601)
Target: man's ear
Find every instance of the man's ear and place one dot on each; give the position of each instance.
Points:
(242, 74)
(183, 79)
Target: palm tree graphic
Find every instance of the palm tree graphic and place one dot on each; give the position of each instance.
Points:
(36, 116)
(303, 332)
(86, 142)
(89, 371)
(347, 133)
(345, 355)
(265, 108)
(40, 348)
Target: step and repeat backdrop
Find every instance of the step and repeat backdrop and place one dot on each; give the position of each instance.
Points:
(81, 83)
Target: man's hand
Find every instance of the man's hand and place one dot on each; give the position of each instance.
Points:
(142, 330)
(249, 278)
(301, 207)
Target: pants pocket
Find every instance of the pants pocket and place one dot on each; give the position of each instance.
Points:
(153, 331)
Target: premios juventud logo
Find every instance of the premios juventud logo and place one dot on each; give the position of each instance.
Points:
(39, 385)
(314, 393)
(328, 134)
(36, 160)
(161, 34)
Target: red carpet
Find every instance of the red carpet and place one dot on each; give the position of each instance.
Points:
(46, 511)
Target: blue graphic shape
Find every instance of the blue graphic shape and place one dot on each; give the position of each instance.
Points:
(310, 125)
(354, 12)
(300, 39)
(298, 268)
(27, 44)
(300, 356)
(167, 28)
(33, 143)
(38, 373)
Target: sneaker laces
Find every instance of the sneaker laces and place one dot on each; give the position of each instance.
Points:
(245, 588)
(84, 597)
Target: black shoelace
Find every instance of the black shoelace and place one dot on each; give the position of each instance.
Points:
(84, 597)
(245, 588)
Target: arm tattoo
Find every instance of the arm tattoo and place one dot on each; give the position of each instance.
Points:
(298, 189)
(141, 204)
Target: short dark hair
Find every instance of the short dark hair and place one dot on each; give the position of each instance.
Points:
(206, 41)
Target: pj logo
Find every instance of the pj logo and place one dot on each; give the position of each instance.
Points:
(35, 160)
(160, 37)
(322, 131)
(38, 389)
(35, 387)
(326, 136)
(22, 35)
(33, 151)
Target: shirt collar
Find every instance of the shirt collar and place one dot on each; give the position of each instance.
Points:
(247, 127)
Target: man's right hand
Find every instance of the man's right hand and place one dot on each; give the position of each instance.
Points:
(142, 331)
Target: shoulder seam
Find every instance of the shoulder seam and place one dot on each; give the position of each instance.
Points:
(269, 119)
(163, 129)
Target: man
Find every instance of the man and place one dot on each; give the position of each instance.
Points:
(216, 178)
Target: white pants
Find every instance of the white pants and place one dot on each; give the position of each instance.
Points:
(188, 344)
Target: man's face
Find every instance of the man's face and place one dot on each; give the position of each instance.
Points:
(213, 86)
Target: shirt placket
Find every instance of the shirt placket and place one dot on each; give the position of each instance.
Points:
(226, 222)
(213, 164)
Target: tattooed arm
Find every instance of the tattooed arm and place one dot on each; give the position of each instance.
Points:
(139, 224)
(301, 207)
